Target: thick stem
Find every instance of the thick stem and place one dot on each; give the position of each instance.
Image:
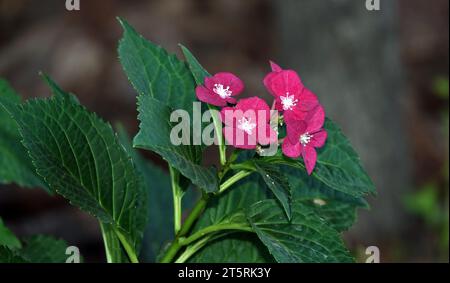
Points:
(191, 250)
(195, 213)
(190, 220)
(192, 217)
(171, 252)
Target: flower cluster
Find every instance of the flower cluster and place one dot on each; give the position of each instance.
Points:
(247, 121)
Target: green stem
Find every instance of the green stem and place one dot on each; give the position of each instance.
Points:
(128, 248)
(211, 229)
(218, 130)
(177, 196)
(107, 243)
(171, 252)
(193, 249)
(233, 179)
(195, 213)
(190, 220)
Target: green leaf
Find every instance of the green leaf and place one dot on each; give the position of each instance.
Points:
(338, 165)
(160, 216)
(306, 238)
(199, 74)
(155, 73)
(237, 247)
(306, 187)
(234, 248)
(337, 208)
(80, 157)
(9, 256)
(154, 134)
(7, 238)
(15, 164)
(340, 216)
(166, 83)
(43, 249)
(277, 183)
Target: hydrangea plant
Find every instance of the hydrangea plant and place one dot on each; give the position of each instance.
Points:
(288, 205)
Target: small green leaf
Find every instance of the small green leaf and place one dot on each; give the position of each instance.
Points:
(306, 238)
(7, 238)
(15, 164)
(80, 157)
(277, 183)
(154, 135)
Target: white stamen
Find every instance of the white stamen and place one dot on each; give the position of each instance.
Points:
(288, 101)
(246, 125)
(221, 91)
(305, 138)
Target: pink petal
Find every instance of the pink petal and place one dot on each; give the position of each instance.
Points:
(286, 81)
(275, 67)
(229, 116)
(278, 105)
(309, 157)
(294, 129)
(209, 83)
(253, 107)
(207, 96)
(315, 119)
(267, 135)
(239, 138)
(268, 82)
(291, 150)
(319, 138)
(307, 100)
(227, 80)
(294, 115)
(250, 140)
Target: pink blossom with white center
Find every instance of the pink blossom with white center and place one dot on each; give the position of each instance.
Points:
(303, 136)
(219, 89)
(248, 124)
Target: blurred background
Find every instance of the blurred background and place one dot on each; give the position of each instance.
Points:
(382, 75)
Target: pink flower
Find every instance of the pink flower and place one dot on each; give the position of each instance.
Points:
(219, 89)
(291, 96)
(248, 124)
(303, 136)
